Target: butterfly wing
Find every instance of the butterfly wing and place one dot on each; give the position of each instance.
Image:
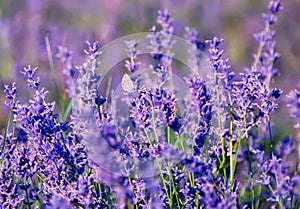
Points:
(127, 84)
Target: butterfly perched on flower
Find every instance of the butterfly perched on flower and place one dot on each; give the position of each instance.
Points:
(127, 84)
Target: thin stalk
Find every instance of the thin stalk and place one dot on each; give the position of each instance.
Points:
(153, 121)
(27, 198)
(195, 133)
(231, 175)
(173, 185)
(169, 172)
(206, 150)
(63, 140)
(259, 193)
(160, 173)
(171, 77)
(168, 135)
(259, 50)
(295, 174)
(278, 200)
(232, 163)
(165, 186)
(130, 184)
(68, 110)
(249, 164)
(221, 191)
(98, 190)
(7, 126)
(191, 178)
(62, 96)
(236, 155)
(220, 125)
(108, 88)
(270, 134)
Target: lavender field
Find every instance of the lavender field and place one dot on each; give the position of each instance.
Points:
(161, 104)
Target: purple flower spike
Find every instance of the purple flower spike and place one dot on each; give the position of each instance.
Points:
(203, 108)
(220, 65)
(68, 70)
(132, 53)
(10, 94)
(293, 103)
(29, 74)
(164, 18)
(161, 42)
(275, 6)
(93, 50)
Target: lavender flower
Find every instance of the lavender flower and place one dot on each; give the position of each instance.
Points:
(94, 161)
(30, 76)
(201, 190)
(221, 66)
(87, 92)
(10, 94)
(141, 110)
(220, 83)
(203, 107)
(254, 102)
(266, 55)
(139, 187)
(293, 103)
(150, 100)
(68, 70)
(275, 172)
(45, 154)
(161, 43)
(132, 53)
(10, 196)
(196, 48)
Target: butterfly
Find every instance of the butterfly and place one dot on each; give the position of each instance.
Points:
(127, 84)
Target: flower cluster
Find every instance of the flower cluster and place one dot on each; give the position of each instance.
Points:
(202, 106)
(45, 160)
(266, 55)
(149, 102)
(161, 44)
(202, 146)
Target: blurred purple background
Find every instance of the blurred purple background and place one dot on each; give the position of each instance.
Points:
(25, 26)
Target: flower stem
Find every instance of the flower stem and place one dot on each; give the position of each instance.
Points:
(220, 131)
(259, 50)
(7, 126)
(249, 164)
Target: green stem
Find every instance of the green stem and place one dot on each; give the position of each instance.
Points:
(231, 175)
(232, 161)
(27, 198)
(259, 193)
(270, 134)
(53, 75)
(7, 126)
(295, 174)
(236, 155)
(278, 200)
(173, 185)
(153, 121)
(220, 127)
(164, 185)
(160, 172)
(168, 135)
(249, 165)
(67, 111)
